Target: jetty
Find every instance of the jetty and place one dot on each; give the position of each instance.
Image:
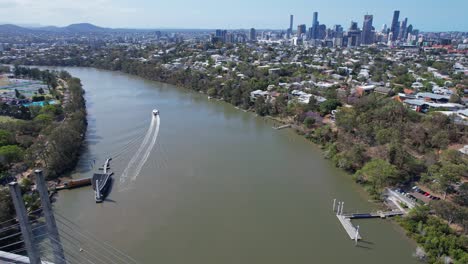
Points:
(74, 184)
(101, 182)
(345, 219)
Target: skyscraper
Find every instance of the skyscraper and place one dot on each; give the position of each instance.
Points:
(384, 28)
(291, 21)
(322, 31)
(367, 34)
(402, 33)
(253, 35)
(301, 29)
(353, 35)
(290, 29)
(409, 29)
(221, 35)
(395, 25)
(315, 27)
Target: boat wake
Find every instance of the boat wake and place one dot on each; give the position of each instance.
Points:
(139, 159)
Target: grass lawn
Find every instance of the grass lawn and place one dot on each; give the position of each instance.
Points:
(4, 119)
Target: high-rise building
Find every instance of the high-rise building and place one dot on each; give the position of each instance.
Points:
(384, 28)
(220, 35)
(253, 35)
(291, 21)
(322, 31)
(402, 33)
(353, 35)
(367, 36)
(301, 29)
(314, 32)
(290, 29)
(338, 29)
(409, 29)
(395, 28)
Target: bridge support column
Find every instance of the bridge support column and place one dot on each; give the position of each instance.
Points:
(59, 256)
(22, 216)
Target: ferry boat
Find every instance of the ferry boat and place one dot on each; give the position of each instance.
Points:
(101, 182)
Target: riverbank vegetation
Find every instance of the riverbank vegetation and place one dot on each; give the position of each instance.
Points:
(441, 244)
(48, 137)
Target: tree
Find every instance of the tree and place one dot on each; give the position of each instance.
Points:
(312, 105)
(7, 211)
(212, 91)
(6, 138)
(260, 106)
(10, 154)
(454, 98)
(378, 174)
(43, 118)
(419, 213)
(329, 105)
(462, 195)
(386, 135)
(444, 175)
(447, 210)
(309, 122)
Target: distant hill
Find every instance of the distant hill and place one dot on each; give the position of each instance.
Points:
(73, 28)
(11, 29)
(85, 27)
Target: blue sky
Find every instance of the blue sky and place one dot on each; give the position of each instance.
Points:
(423, 14)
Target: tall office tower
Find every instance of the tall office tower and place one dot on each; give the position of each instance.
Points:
(338, 30)
(253, 35)
(290, 29)
(330, 33)
(409, 29)
(354, 35)
(384, 28)
(402, 33)
(395, 25)
(301, 29)
(322, 31)
(315, 27)
(291, 22)
(367, 34)
(221, 35)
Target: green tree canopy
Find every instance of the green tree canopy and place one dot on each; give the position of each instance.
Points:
(10, 154)
(378, 174)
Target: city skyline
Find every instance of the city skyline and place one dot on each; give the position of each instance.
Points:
(206, 14)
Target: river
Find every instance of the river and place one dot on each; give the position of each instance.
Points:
(220, 186)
